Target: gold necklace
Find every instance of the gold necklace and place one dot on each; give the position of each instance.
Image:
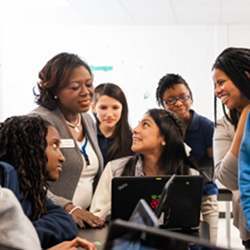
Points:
(76, 126)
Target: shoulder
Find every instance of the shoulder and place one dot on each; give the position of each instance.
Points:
(202, 120)
(117, 165)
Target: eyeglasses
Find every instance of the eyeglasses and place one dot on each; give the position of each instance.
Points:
(173, 100)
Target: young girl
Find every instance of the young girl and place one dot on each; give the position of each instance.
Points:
(31, 156)
(158, 144)
(114, 133)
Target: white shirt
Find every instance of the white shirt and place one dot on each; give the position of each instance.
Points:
(84, 190)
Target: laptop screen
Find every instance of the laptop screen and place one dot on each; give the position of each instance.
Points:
(130, 236)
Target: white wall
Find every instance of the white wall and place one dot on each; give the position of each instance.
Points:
(139, 57)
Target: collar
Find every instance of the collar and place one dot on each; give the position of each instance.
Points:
(194, 123)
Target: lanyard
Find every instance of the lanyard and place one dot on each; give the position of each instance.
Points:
(83, 151)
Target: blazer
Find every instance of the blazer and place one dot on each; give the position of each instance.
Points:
(62, 191)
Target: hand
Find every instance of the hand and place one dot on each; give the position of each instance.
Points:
(82, 216)
(74, 244)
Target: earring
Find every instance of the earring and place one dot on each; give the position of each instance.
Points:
(163, 143)
(55, 97)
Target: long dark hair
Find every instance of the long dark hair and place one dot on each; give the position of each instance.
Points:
(54, 76)
(235, 63)
(23, 145)
(122, 135)
(173, 158)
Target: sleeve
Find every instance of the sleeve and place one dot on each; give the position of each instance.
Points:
(226, 166)
(101, 202)
(55, 226)
(17, 232)
(244, 173)
(58, 200)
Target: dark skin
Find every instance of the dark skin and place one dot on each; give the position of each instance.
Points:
(73, 99)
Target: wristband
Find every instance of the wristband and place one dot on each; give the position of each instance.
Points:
(74, 209)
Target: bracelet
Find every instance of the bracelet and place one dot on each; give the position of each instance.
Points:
(74, 208)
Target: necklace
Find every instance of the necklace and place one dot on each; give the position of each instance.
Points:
(76, 126)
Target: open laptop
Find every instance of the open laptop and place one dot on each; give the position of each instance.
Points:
(131, 236)
(183, 199)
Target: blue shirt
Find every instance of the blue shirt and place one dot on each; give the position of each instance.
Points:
(199, 136)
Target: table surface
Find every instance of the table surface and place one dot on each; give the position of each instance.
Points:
(98, 236)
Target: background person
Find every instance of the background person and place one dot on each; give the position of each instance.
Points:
(174, 94)
(113, 130)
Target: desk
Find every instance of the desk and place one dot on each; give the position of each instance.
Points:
(98, 236)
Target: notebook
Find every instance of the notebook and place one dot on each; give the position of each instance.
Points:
(131, 236)
(182, 210)
(144, 215)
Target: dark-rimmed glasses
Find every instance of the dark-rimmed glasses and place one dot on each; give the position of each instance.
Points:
(173, 100)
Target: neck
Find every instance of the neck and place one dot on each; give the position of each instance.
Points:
(70, 116)
(106, 131)
(150, 165)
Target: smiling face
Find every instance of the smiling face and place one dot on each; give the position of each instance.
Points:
(227, 92)
(147, 137)
(76, 97)
(108, 111)
(54, 154)
(178, 100)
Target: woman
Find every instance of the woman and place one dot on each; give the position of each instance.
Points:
(65, 95)
(231, 74)
(31, 157)
(158, 144)
(174, 94)
(111, 110)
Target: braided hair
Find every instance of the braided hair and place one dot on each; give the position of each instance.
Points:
(235, 63)
(23, 145)
(173, 159)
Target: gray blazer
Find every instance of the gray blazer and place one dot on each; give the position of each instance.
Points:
(62, 191)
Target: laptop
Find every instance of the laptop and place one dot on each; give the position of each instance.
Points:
(130, 236)
(182, 210)
(144, 215)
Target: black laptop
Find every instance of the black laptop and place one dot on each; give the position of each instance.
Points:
(183, 203)
(130, 236)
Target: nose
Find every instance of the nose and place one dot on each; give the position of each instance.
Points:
(218, 89)
(61, 156)
(136, 129)
(84, 90)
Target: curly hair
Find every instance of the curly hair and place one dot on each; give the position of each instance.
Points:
(235, 63)
(122, 134)
(169, 81)
(54, 76)
(173, 158)
(23, 145)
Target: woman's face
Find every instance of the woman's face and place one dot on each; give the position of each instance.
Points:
(147, 137)
(178, 100)
(108, 111)
(227, 92)
(76, 97)
(54, 154)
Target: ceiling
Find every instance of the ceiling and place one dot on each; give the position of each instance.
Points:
(135, 12)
